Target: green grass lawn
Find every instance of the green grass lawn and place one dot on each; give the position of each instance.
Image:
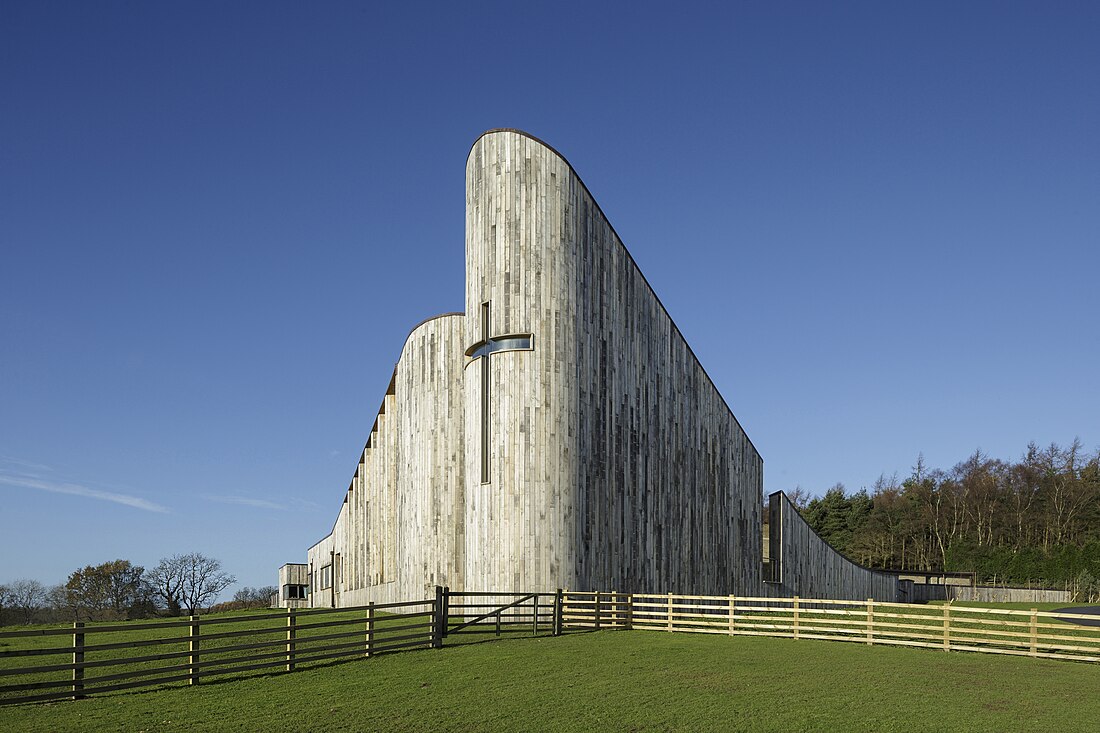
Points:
(618, 681)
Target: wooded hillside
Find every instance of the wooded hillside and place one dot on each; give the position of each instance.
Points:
(1022, 521)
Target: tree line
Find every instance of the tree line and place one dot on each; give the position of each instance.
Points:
(117, 590)
(1036, 519)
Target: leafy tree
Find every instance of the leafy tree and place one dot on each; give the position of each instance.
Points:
(831, 516)
(1036, 519)
(114, 588)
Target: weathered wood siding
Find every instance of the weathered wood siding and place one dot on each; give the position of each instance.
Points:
(293, 574)
(520, 524)
(615, 461)
(809, 566)
(668, 482)
(400, 529)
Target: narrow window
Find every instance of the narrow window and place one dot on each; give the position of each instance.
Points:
(485, 330)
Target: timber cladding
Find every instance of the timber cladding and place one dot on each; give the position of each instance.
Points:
(400, 530)
(808, 566)
(560, 433)
(616, 462)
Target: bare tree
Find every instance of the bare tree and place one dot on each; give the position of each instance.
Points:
(5, 595)
(27, 596)
(248, 597)
(799, 497)
(189, 581)
(166, 582)
(60, 602)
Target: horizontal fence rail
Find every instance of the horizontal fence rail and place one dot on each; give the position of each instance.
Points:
(596, 610)
(1033, 633)
(86, 659)
(469, 612)
(102, 658)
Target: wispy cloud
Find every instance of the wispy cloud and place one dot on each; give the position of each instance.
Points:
(64, 487)
(304, 503)
(21, 466)
(244, 501)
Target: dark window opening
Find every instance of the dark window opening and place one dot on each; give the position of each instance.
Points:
(295, 592)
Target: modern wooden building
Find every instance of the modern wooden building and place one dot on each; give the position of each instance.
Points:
(560, 433)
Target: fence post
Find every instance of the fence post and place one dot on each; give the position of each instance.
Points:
(446, 609)
(733, 611)
(870, 621)
(370, 629)
(291, 635)
(193, 647)
(630, 611)
(670, 612)
(1034, 632)
(947, 627)
(78, 660)
(439, 617)
(498, 622)
(597, 610)
(535, 613)
(796, 617)
(558, 603)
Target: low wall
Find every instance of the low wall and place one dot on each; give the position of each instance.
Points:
(925, 592)
(997, 594)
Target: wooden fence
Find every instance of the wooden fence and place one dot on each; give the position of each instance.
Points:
(468, 612)
(951, 628)
(101, 658)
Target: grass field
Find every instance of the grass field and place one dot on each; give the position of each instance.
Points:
(618, 681)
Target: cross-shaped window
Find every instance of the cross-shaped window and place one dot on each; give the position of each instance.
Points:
(483, 349)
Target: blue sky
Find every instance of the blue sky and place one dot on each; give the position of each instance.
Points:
(877, 225)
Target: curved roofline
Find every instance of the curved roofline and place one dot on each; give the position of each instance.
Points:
(822, 540)
(426, 320)
(393, 379)
(529, 136)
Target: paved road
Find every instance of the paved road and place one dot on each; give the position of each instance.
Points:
(1085, 611)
